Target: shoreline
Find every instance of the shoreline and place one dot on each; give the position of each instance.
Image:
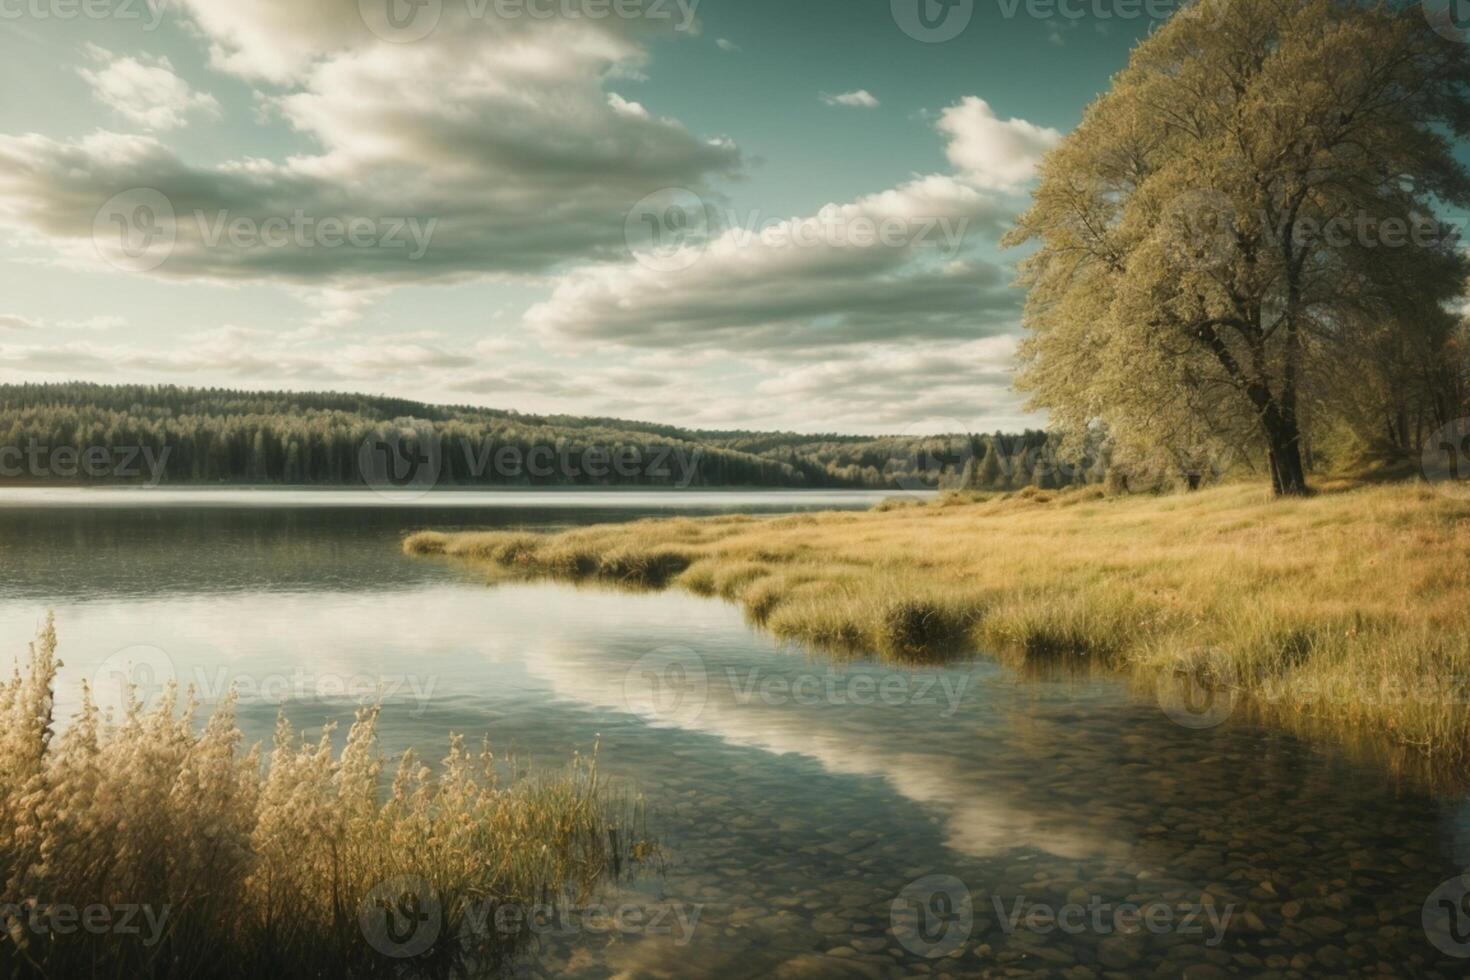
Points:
(1340, 616)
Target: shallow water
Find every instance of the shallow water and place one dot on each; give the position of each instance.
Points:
(820, 818)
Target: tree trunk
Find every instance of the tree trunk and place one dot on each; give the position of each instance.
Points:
(1288, 475)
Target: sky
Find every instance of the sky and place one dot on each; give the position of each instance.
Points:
(758, 214)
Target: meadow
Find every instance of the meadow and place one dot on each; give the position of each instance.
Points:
(1343, 613)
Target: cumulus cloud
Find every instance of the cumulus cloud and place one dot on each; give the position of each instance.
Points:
(861, 99)
(991, 152)
(725, 44)
(888, 264)
(144, 90)
(499, 131)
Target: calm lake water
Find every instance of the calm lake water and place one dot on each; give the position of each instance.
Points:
(821, 818)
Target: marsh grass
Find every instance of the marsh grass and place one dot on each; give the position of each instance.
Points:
(1346, 614)
(262, 865)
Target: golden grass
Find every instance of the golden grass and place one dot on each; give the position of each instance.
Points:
(248, 869)
(1347, 612)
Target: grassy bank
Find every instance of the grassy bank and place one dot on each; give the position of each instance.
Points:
(1347, 612)
(210, 861)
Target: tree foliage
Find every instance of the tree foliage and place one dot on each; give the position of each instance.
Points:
(303, 438)
(1239, 243)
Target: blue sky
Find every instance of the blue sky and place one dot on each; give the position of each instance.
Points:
(826, 190)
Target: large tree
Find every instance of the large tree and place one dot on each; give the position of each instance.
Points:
(1239, 219)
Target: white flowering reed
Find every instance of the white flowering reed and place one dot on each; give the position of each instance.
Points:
(225, 866)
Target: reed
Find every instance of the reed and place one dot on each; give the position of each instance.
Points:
(239, 864)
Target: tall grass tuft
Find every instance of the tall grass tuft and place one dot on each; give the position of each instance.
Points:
(1344, 614)
(263, 867)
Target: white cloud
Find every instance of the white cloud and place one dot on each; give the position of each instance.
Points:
(144, 90)
(500, 131)
(725, 44)
(991, 152)
(822, 280)
(861, 99)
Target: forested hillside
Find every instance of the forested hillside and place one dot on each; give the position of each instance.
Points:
(213, 436)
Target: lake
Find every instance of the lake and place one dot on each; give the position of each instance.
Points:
(820, 818)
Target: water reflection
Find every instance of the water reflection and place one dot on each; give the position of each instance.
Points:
(796, 797)
(118, 542)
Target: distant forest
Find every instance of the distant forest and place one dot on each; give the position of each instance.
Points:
(85, 433)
